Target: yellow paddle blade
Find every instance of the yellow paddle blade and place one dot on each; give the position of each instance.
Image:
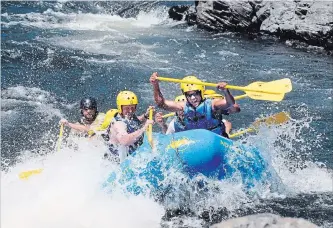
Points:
(265, 96)
(284, 84)
(27, 174)
(278, 89)
(276, 119)
(60, 136)
(275, 87)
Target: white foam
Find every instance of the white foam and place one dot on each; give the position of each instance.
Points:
(227, 53)
(18, 97)
(284, 146)
(68, 193)
(27, 93)
(51, 19)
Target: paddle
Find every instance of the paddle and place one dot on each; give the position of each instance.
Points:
(217, 95)
(168, 115)
(269, 91)
(60, 137)
(279, 118)
(150, 128)
(27, 174)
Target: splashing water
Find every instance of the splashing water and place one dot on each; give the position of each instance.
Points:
(68, 193)
(70, 46)
(69, 190)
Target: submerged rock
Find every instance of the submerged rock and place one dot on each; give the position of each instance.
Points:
(310, 22)
(265, 221)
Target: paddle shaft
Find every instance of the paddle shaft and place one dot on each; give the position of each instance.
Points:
(214, 85)
(241, 132)
(278, 118)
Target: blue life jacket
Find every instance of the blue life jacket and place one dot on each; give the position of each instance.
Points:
(203, 117)
(179, 125)
(132, 125)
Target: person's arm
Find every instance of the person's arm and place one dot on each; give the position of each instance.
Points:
(159, 99)
(233, 109)
(145, 116)
(160, 121)
(75, 126)
(128, 139)
(228, 100)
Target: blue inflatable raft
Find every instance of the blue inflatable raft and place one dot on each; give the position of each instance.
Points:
(192, 152)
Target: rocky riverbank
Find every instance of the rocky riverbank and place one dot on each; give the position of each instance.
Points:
(265, 221)
(298, 22)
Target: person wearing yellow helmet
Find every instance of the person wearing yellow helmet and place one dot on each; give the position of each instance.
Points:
(176, 124)
(127, 129)
(199, 112)
(90, 118)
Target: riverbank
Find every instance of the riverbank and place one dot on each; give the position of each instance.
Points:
(298, 23)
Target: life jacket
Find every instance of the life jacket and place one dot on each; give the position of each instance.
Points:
(132, 125)
(203, 117)
(98, 118)
(179, 125)
(107, 119)
(102, 123)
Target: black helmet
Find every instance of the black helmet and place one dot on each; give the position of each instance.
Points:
(89, 102)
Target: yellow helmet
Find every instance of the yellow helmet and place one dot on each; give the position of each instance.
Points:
(180, 98)
(126, 98)
(190, 78)
(192, 87)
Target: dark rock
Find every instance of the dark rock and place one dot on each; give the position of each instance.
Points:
(191, 16)
(265, 221)
(223, 16)
(310, 22)
(178, 12)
